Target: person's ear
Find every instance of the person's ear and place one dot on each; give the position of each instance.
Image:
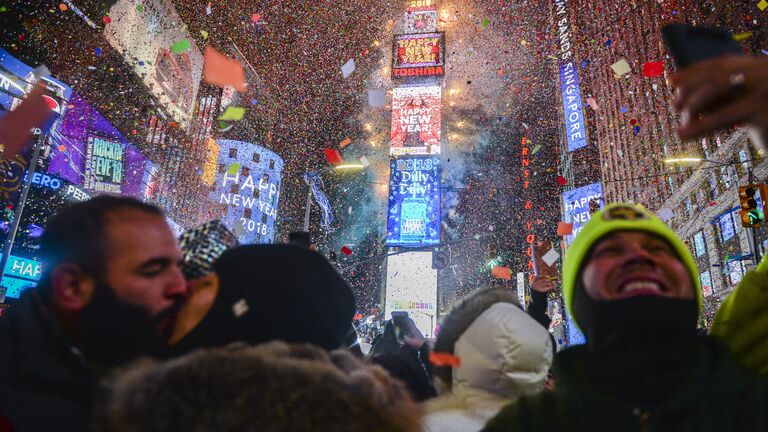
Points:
(72, 288)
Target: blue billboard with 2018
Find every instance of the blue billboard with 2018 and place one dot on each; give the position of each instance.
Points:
(413, 217)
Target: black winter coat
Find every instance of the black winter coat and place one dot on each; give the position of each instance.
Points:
(44, 382)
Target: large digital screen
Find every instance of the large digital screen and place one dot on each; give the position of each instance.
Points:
(248, 179)
(103, 165)
(418, 55)
(163, 53)
(48, 194)
(412, 288)
(576, 205)
(420, 21)
(413, 217)
(83, 126)
(416, 120)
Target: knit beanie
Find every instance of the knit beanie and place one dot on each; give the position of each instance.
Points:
(614, 218)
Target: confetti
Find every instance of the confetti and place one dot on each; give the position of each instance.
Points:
(139, 8)
(63, 7)
(222, 71)
(181, 46)
(620, 68)
(364, 161)
(500, 272)
(377, 98)
(16, 126)
(233, 113)
(348, 68)
(333, 156)
(346, 250)
(345, 142)
(444, 359)
(564, 228)
(653, 69)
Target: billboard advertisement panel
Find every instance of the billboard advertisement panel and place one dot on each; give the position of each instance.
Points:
(418, 55)
(412, 288)
(576, 205)
(81, 125)
(416, 120)
(248, 179)
(573, 108)
(413, 217)
(48, 194)
(156, 42)
(103, 165)
(420, 21)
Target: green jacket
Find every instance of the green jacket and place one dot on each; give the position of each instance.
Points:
(741, 321)
(718, 396)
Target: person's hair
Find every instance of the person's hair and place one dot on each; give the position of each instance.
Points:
(460, 317)
(77, 234)
(270, 387)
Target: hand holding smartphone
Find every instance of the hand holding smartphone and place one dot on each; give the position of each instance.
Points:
(718, 86)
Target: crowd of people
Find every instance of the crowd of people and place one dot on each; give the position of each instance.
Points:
(132, 330)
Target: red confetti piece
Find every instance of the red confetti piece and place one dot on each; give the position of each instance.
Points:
(444, 359)
(500, 272)
(564, 228)
(346, 251)
(255, 17)
(107, 20)
(653, 69)
(562, 180)
(333, 156)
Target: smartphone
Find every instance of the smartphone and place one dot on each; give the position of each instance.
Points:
(689, 44)
(400, 322)
(541, 268)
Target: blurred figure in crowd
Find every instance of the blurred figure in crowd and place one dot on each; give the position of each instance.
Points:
(272, 292)
(110, 292)
(504, 354)
(633, 287)
(404, 352)
(272, 387)
(200, 248)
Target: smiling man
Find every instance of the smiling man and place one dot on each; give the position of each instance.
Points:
(110, 292)
(633, 288)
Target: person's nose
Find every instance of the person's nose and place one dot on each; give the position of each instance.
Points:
(177, 287)
(639, 255)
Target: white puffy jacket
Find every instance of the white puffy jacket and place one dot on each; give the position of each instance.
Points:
(504, 354)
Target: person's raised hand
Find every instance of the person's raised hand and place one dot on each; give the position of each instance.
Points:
(543, 284)
(723, 92)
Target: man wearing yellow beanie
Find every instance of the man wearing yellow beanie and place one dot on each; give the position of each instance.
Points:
(632, 286)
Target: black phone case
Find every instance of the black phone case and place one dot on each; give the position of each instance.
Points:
(689, 45)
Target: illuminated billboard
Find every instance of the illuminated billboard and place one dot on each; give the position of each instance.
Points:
(413, 217)
(412, 288)
(48, 195)
(421, 21)
(156, 42)
(418, 55)
(416, 120)
(576, 205)
(68, 159)
(573, 109)
(248, 179)
(103, 165)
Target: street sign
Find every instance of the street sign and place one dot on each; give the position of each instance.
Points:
(440, 260)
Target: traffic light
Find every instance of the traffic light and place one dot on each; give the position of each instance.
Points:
(751, 215)
(493, 257)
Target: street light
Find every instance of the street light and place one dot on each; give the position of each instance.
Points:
(350, 166)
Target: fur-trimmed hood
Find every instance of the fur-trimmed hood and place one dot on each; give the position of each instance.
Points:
(505, 354)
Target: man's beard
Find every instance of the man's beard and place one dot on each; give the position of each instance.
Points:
(113, 332)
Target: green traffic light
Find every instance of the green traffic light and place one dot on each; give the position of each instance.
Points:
(756, 216)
